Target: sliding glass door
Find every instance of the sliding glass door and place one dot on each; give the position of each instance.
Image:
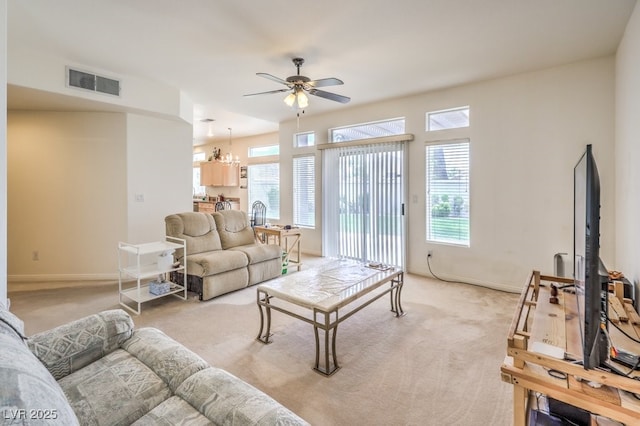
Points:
(363, 202)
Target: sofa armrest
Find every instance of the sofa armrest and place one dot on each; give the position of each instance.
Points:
(225, 399)
(71, 346)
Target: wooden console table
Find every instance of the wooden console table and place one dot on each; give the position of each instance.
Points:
(288, 239)
(537, 322)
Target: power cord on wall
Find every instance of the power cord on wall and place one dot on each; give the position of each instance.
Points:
(437, 277)
(429, 256)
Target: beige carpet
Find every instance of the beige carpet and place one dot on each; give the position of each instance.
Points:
(438, 365)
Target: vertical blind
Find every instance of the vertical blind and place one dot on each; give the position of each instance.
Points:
(304, 191)
(447, 198)
(363, 196)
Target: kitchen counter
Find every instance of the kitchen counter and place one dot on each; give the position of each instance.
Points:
(208, 206)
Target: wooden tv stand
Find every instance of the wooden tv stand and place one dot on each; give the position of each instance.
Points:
(538, 322)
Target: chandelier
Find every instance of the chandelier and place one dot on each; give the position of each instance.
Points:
(229, 158)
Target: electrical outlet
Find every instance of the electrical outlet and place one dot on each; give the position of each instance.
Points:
(430, 253)
(35, 256)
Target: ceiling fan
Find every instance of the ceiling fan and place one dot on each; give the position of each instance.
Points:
(298, 85)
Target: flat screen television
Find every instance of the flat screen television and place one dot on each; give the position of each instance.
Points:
(590, 275)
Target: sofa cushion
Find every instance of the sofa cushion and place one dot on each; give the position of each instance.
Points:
(117, 389)
(26, 387)
(71, 346)
(227, 400)
(196, 228)
(257, 253)
(225, 282)
(170, 360)
(215, 262)
(173, 411)
(233, 227)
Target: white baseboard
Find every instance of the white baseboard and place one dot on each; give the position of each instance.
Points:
(61, 277)
(465, 280)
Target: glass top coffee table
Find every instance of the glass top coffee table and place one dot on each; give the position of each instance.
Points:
(330, 294)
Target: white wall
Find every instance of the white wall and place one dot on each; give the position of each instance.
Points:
(3, 152)
(39, 70)
(527, 132)
(72, 184)
(627, 153)
(73, 177)
(67, 194)
(159, 158)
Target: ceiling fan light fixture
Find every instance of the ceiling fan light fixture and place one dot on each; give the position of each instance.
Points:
(298, 86)
(303, 100)
(290, 99)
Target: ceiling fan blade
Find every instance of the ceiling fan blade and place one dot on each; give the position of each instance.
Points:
(269, 92)
(273, 77)
(323, 82)
(330, 96)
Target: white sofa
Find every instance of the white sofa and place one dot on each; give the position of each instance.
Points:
(98, 370)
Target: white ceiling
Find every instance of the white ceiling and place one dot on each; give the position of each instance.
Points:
(211, 50)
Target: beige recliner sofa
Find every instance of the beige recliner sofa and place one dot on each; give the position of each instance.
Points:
(222, 253)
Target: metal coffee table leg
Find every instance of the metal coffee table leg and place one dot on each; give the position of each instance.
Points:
(396, 296)
(326, 317)
(264, 302)
(327, 369)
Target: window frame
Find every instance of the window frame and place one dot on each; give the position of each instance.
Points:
(296, 141)
(265, 200)
(428, 115)
(332, 138)
(311, 196)
(253, 151)
(445, 212)
(198, 190)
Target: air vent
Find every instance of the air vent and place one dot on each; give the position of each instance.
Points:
(93, 82)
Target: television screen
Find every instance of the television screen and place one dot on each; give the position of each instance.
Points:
(588, 279)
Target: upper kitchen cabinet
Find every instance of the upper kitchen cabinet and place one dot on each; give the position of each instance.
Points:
(218, 173)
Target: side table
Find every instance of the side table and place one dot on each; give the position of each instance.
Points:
(141, 263)
(288, 239)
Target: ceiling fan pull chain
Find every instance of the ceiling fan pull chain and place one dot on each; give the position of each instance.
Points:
(298, 119)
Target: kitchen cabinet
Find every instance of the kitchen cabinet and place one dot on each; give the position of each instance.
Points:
(203, 207)
(217, 173)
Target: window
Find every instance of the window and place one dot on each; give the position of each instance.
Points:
(367, 130)
(264, 151)
(198, 190)
(301, 140)
(264, 185)
(304, 191)
(447, 198)
(448, 119)
(362, 210)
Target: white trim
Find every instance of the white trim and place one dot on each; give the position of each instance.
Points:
(470, 281)
(448, 141)
(62, 277)
(405, 137)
